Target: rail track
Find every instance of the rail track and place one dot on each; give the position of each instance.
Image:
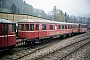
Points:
(40, 50)
(66, 51)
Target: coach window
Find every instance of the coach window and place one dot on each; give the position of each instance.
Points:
(4, 29)
(22, 27)
(27, 27)
(85, 26)
(11, 28)
(43, 26)
(65, 26)
(51, 27)
(58, 26)
(62, 26)
(19, 26)
(74, 26)
(82, 26)
(69, 26)
(37, 26)
(31, 27)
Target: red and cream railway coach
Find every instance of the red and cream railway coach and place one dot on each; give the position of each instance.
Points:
(75, 28)
(31, 30)
(7, 35)
(82, 28)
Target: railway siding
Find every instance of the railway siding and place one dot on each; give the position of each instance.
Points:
(52, 48)
(40, 51)
(63, 53)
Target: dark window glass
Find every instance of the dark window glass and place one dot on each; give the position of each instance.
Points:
(27, 27)
(75, 26)
(10, 28)
(18, 26)
(69, 26)
(43, 26)
(22, 27)
(79, 25)
(31, 27)
(4, 29)
(65, 26)
(37, 26)
(85, 26)
(82, 26)
(58, 26)
(62, 26)
(51, 27)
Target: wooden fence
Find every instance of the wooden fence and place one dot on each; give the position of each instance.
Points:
(17, 17)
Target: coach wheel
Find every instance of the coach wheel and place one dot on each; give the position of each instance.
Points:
(69, 34)
(50, 40)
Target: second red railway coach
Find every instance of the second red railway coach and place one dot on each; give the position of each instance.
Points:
(30, 29)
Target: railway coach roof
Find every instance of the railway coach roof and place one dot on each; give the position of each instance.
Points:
(5, 21)
(65, 23)
(34, 20)
(45, 21)
(82, 24)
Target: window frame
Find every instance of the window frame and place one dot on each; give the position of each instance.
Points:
(23, 27)
(69, 26)
(63, 27)
(51, 27)
(59, 26)
(43, 25)
(11, 27)
(37, 26)
(5, 29)
(26, 27)
(30, 27)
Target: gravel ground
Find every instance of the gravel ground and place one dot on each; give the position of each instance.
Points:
(58, 54)
(81, 54)
(55, 47)
(52, 48)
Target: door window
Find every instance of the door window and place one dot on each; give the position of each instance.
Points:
(37, 26)
(27, 27)
(43, 26)
(4, 29)
(31, 27)
(22, 27)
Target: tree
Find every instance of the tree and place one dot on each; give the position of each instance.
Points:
(65, 17)
(18, 11)
(54, 12)
(43, 14)
(13, 8)
(61, 16)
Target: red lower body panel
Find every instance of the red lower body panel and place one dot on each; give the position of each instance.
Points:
(7, 41)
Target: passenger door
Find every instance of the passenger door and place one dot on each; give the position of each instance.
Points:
(4, 35)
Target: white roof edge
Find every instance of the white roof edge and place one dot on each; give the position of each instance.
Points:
(45, 21)
(5, 21)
